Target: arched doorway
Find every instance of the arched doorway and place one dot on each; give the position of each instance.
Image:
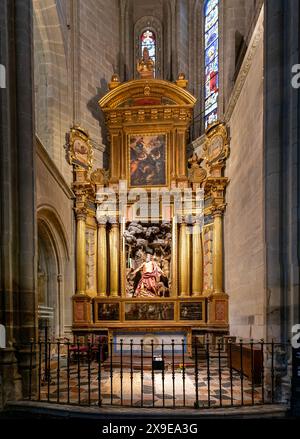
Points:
(49, 306)
(52, 259)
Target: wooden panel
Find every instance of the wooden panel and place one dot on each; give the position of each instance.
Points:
(242, 358)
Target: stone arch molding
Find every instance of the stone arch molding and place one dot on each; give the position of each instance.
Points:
(52, 241)
(153, 24)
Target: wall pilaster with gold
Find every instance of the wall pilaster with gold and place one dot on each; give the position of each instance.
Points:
(216, 152)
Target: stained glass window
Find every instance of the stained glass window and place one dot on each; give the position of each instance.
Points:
(148, 40)
(211, 60)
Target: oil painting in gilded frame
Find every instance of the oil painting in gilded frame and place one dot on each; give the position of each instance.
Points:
(149, 311)
(191, 311)
(147, 159)
(108, 311)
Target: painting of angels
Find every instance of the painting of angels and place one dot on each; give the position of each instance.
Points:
(148, 160)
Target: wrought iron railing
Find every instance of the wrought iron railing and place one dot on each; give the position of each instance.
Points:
(157, 374)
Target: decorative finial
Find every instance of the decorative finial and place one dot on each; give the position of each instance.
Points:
(181, 81)
(114, 82)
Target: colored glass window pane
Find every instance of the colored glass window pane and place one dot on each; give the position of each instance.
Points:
(211, 60)
(148, 40)
(211, 19)
(212, 117)
(211, 52)
(209, 5)
(211, 101)
(211, 69)
(212, 85)
(211, 35)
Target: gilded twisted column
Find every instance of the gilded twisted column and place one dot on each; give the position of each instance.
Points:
(101, 260)
(80, 252)
(114, 250)
(197, 261)
(184, 260)
(218, 252)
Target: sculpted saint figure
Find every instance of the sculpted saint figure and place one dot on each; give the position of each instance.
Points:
(148, 285)
(145, 65)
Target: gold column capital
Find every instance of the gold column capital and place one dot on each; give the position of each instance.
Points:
(218, 211)
(81, 214)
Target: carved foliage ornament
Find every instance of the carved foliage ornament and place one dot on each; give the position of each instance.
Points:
(79, 148)
(100, 177)
(197, 172)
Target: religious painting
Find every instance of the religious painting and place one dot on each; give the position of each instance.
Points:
(191, 311)
(79, 148)
(148, 160)
(81, 151)
(149, 311)
(108, 311)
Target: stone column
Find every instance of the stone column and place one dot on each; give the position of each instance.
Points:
(197, 261)
(218, 252)
(24, 186)
(80, 252)
(101, 260)
(114, 254)
(184, 260)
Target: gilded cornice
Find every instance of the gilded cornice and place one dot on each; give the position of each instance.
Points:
(152, 88)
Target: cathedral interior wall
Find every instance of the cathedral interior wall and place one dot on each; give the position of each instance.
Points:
(244, 218)
(99, 47)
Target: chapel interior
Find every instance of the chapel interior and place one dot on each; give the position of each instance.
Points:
(109, 105)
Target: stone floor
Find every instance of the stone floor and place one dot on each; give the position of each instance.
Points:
(133, 389)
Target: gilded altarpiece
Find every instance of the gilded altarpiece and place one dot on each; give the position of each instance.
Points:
(145, 260)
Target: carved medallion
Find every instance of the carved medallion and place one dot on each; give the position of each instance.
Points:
(79, 148)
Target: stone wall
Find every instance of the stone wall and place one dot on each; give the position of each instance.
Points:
(52, 81)
(99, 45)
(244, 218)
(238, 18)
